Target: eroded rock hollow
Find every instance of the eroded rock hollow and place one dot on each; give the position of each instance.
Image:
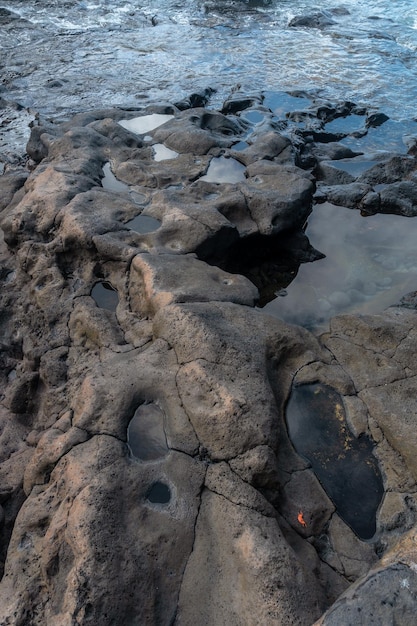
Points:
(146, 471)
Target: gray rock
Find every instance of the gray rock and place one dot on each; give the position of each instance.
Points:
(229, 525)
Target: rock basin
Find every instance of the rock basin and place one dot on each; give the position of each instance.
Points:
(147, 472)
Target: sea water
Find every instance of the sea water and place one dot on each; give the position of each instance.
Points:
(65, 56)
(58, 57)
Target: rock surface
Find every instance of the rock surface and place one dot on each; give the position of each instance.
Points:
(227, 524)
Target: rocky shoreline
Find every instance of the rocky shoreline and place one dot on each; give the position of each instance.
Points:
(208, 515)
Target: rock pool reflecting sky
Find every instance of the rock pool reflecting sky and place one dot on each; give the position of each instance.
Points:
(370, 263)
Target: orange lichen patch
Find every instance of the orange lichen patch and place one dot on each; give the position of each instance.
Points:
(301, 519)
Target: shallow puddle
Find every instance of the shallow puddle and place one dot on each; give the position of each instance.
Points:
(240, 145)
(145, 123)
(348, 124)
(162, 153)
(344, 465)
(143, 224)
(159, 493)
(224, 170)
(254, 117)
(370, 263)
(110, 182)
(105, 296)
(392, 136)
(145, 433)
(355, 167)
(280, 103)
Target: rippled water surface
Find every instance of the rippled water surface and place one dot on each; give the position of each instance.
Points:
(58, 57)
(73, 55)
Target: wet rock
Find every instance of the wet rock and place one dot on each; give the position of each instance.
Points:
(399, 198)
(334, 151)
(315, 20)
(349, 195)
(198, 131)
(239, 102)
(213, 517)
(376, 119)
(370, 601)
(195, 100)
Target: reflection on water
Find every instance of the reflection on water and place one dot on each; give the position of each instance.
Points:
(281, 103)
(110, 182)
(146, 434)
(162, 153)
(344, 464)
(355, 167)
(143, 224)
(224, 170)
(105, 296)
(349, 124)
(392, 136)
(145, 123)
(370, 263)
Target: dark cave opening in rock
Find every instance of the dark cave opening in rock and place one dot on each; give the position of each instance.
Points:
(345, 466)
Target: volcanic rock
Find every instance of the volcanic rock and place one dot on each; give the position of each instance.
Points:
(229, 525)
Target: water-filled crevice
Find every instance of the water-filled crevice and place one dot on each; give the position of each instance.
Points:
(344, 464)
(143, 224)
(146, 434)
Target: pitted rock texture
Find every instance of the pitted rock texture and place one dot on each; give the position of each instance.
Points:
(230, 526)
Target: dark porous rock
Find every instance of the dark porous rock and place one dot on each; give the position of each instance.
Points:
(197, 131)
(278, 197)
(366, 602)
(268, 146)
(147, 474)
(239, 102)
(333, 152)
(157, 281)
(399, 198)
(330, 174)
(376, 119)
(349, 195)
(194, 100)
(392, 170)
(314, 20)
